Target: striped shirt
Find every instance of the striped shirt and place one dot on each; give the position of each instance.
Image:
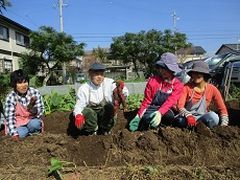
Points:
(11, 102)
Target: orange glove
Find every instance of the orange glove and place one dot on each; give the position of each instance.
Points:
(191, 121)
(79, 121)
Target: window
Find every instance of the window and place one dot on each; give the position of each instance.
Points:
(1, 65)
(4, 33)
(8, 65)
(21, 39)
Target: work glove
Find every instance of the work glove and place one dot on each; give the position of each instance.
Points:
(155, 119)
(133, 125)
(15, 137)
(79, 121)
(224, 120)
(191, 121)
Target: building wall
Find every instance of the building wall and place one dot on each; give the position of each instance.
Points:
(10, 50)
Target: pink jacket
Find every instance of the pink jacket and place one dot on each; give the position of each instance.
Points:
(153, 85)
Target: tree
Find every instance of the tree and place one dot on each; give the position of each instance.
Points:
(144, 48)
(100, 54)
(4, 4)
(49, 48)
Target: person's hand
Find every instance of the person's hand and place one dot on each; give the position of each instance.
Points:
(224, 120)
(15, 137)
(191, 121)
(133, 125)
(79, 121)
(156, 119)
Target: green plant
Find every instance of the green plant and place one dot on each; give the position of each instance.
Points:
(234, 92)
(4, 86)
(134, 101)
(57, 166)
(150, 170)
(199, 174)
(56, 102)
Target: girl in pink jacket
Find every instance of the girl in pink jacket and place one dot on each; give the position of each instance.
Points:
(161, 94)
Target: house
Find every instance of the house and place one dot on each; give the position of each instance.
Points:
(227, 48)
(191, 53)
(14, 38)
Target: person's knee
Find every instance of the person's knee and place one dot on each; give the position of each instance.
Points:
(34, 125)
(180, 122)
(22, 132)
(212, 119)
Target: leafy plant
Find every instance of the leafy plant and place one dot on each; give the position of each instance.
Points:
(57, 166)
(234, 92)
(56, 102)
(4, 86)
(134, 101)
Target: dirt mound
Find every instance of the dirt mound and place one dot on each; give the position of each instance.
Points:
(165, 147)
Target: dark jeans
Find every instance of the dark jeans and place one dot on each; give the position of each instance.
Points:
(100, 120)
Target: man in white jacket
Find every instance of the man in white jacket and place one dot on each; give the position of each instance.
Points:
(94, 111)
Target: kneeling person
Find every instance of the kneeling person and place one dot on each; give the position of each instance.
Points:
(197, 96)
(94, 111)
(23, 108)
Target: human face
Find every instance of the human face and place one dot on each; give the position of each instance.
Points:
(22, 87)
(166, 74)
(97, 77)
(197, 77)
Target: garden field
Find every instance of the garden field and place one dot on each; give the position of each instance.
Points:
(170, 153)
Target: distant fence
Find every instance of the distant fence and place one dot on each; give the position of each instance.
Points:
(134, 88)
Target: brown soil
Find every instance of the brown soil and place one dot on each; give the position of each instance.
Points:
(170, 153)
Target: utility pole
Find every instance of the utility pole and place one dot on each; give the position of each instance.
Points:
(175, 18)
(60, 5)
(238, 40)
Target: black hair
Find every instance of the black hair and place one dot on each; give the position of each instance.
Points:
(18, 76)
(206, 77)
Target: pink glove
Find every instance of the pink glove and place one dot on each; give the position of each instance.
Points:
(79, 121)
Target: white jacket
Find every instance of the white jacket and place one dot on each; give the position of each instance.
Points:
(97, 93)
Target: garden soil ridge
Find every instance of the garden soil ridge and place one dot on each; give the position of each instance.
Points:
(219, 148)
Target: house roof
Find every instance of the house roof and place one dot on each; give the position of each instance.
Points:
(192, 50)
(233, 47)
(5, 19)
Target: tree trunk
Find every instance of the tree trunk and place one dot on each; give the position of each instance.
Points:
(47, 78)
(136, 68)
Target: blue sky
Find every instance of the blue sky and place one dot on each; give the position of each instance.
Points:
(208, 23)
